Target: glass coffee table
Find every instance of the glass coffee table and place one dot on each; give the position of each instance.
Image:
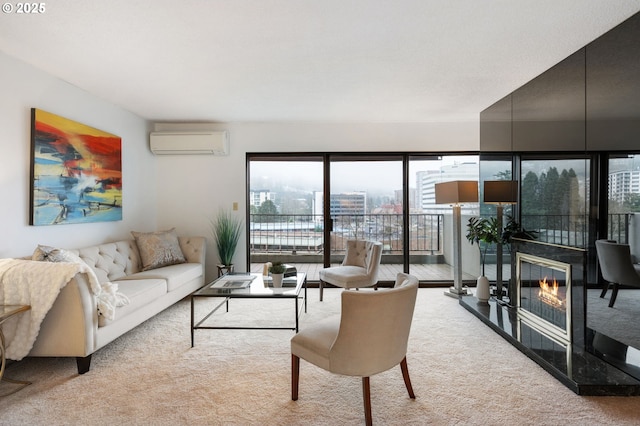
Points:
(249, 286)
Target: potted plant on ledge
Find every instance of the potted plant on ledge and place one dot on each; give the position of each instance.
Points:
(226, 230)
(484, 232)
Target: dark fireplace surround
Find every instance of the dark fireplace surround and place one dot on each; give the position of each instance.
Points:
(552, 332)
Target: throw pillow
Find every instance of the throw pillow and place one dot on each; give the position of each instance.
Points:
(158, 249)
(108, 297)
(54, 254)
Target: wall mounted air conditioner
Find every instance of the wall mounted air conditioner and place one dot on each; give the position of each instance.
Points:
(185, 143)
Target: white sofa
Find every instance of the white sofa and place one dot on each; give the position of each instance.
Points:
(73, 328)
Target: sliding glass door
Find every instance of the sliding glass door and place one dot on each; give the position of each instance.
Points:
(366, 203)
(286, 222)
(303, 209)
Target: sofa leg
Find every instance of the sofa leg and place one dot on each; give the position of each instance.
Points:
(321, 289)
(83, 364)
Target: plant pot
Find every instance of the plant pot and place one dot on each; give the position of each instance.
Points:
(482, 289)
(277, 280)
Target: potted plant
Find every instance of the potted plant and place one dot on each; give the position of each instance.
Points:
(485, 232)
(514, 230)
(226, 230)
(277, 273)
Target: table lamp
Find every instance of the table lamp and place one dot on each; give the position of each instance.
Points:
(500, 193)
(455, 193)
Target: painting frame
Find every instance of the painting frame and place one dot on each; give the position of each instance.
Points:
(75, 172)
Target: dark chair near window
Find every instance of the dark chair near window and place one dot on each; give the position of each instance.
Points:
(617, 267)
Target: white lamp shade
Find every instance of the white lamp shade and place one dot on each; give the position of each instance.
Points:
(501, 191)
(457, 191)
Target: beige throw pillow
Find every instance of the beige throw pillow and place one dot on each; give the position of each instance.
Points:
(158, 249)
(54, 254)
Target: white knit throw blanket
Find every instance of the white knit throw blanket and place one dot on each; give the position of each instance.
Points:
(27, 282)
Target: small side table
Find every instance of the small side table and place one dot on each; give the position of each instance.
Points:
(6, 312)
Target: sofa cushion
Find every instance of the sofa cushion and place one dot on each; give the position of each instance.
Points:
(175, 275)
(139, 292)
(158, 249)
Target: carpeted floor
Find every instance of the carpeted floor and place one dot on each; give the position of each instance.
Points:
(462, 373)
(614, 322)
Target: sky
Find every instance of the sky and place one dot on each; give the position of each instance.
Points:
(346, 176)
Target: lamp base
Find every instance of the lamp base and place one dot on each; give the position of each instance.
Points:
(454, 292)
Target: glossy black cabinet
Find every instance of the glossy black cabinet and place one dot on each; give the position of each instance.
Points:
(495, 127)
(613, 89)
(549, 111)
(590, 101)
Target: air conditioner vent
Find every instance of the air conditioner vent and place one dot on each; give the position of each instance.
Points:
(190, 143)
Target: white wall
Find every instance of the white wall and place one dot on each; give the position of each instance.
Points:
(470, 253)
(23, 88)
(171, 191)
(191, 189)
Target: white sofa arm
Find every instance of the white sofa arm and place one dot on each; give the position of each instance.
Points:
(69, 328)
(193, 249)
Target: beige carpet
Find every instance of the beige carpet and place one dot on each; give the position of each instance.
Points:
(462, 372)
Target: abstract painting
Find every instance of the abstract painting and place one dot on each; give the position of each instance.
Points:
(76, 172)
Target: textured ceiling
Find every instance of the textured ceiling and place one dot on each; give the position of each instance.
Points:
(305, 60)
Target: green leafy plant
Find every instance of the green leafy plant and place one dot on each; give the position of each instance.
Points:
(484, 232)
(514, 230)
(226, 230)
(277, 268)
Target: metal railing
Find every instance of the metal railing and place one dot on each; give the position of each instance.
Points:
(573, 230)
(304, 233)
(618, 227)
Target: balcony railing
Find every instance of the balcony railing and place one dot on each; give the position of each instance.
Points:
(573, 230)
(304, 233)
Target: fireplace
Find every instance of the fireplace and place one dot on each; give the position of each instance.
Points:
(546, 318)
(548, 289)
(543, 295)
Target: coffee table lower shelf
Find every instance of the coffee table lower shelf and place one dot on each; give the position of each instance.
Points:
(257, 290)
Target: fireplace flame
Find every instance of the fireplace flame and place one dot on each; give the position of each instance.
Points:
(548, 293)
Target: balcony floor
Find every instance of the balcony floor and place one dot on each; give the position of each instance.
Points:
(435, 273)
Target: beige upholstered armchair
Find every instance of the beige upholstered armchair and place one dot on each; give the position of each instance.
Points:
(369, 336)
(359, 267)
(617, 267)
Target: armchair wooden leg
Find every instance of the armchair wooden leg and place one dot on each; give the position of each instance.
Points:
(321, 289)
(614, 294)
(295, 376)
(405, 376)
(366, 396)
